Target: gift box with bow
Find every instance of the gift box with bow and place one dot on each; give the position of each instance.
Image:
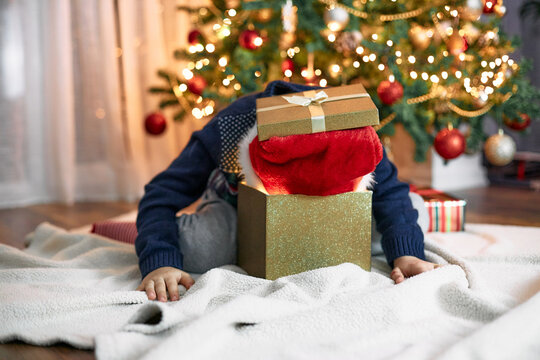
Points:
(307, 166)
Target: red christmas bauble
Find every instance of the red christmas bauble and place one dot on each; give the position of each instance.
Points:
(390, 91)
(514, 124)
(196, 84)
(489, 6)
(194, 37)
(449, 143)
(249, 39)
(155, 123)
(287, 64)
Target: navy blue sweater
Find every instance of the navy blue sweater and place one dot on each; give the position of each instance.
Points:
(184, 181)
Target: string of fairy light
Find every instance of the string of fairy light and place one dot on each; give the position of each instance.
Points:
(479, 86)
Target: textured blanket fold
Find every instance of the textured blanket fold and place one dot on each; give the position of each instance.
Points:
(76, 288)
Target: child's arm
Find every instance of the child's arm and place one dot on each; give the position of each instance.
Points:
(170, 191)
(402, 239)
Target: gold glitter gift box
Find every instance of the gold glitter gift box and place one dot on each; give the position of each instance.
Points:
(280, 235)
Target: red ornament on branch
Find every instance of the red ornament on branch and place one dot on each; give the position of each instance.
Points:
(196, 84)
(194, 37)
(250, 39)
(155, 123)
(515, 124)
(449, 143)
(287, 64)
(489, 6)
(389, 91)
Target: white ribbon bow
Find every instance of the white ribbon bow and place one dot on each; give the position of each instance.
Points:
(319, 98)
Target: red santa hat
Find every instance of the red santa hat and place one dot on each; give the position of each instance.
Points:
(325, 163)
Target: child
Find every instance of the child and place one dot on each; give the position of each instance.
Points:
(167, 245)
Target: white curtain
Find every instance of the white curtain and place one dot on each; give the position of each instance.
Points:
(73, 96)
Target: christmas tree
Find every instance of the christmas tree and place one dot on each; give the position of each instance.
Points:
(437, 67)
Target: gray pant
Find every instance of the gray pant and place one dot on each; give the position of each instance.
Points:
(208, 237)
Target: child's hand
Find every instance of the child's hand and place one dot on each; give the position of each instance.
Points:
(163, 279)
(406, 266)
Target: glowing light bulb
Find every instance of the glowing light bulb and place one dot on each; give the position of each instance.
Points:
(237, 86)
(484, 63)
(222, 61)
(413, 74)
(187, 74)
(389, 43)
(258, 41)
(398, 53)
(331, 37)
(425, 76)
(359, 50)
(431, 59)
(335, 68)
(365, 58)
(288, 73)
(434, 79)
(356, 64)
(458, 74)
(411, 59)
(375, 37)
(182, 87)
(381, 67)
(444, 75)
(372, 57)
(231, 12)
(323, 82)
(391, 78)
(210, 48)
(226, 82)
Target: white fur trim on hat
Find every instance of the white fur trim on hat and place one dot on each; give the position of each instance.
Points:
(367, 182)
(245, 161)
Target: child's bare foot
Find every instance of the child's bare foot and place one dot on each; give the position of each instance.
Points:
(407, 266)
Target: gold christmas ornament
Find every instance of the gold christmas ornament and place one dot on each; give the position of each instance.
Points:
(500, 149)
(263, 15)
(500, 10)
(472, 33)
(336, 18)
(455, 44)
(420, 36)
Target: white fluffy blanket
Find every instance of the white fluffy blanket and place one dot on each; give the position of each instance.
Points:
(76, 288)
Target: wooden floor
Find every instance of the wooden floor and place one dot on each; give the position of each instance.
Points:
(490, 205)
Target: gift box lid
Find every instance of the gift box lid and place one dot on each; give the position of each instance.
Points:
(329, 109)
(434, 197)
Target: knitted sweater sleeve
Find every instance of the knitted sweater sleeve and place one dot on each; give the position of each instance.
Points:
(178, 186)
(395, 216)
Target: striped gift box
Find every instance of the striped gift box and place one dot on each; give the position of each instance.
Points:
(446, 212)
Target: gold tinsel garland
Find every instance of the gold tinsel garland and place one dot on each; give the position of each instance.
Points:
(382, 17)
